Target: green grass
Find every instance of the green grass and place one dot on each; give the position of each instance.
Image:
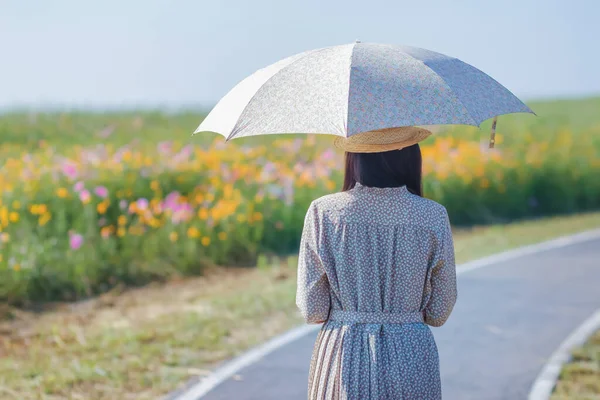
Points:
(141, 343)
(580, 378)
(82, 128)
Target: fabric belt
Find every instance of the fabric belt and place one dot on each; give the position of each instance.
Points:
(375, 317)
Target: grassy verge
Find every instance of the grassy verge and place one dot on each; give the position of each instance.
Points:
(139, 344)
(580, 379)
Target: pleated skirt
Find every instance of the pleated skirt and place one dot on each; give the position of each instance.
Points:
(374, 362)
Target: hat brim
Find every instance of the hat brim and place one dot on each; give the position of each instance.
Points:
(382, 140)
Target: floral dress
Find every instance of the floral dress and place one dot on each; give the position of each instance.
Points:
(376, 265)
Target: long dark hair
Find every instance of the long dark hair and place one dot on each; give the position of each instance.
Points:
(388, 169)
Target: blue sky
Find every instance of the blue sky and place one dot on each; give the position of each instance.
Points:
(171, 53)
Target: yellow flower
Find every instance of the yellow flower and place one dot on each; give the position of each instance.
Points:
(4, 216)
(44, 219)
(121, 232)
(16, 204)
(203, 214)
(173, 236)
(241, 218)
(153, 222)
(1, 258)
(222, 236)
(122, 220)
(205, 241)
(17, 267)
(62, 192)
(193, 232)
(4, 237)
(257, 216)
(228, 191)
(154, 185)
(13, 217)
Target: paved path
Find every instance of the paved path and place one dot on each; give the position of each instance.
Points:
(509, 319)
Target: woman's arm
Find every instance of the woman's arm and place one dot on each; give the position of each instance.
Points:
(443, 277)
(312, 296)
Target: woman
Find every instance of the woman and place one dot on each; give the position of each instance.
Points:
(376, 266)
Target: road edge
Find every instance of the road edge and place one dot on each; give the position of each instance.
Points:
(232, 367)
(544, 384)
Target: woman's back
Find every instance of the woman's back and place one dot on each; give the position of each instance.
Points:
(376, 264)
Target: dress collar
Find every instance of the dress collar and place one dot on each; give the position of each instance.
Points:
(398, 189)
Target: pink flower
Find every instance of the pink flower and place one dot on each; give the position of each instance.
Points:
(75, 241)
(101, 191)
(70, 170)
(164, 147)
(181, 213)
(171, 200)
(85, 196)
(142, 204)
(328, 155)
(78, 187)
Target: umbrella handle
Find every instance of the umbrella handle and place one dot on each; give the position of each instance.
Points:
(493, 133)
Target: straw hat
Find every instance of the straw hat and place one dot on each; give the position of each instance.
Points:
(382, 140)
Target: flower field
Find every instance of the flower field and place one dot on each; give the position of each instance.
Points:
(91, 201)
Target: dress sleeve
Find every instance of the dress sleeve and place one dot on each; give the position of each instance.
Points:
(312, 295)
(443, 277)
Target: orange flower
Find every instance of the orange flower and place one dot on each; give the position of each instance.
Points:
(203, 214)
(62, 192)
(102, 207)
(105, 232)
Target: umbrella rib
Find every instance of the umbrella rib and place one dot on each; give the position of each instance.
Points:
(445, 83)
(234, 131)
(349, 84)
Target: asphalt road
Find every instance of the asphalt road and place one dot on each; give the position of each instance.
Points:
(509, 319)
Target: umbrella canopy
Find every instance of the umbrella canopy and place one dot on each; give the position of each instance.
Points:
(359, 87)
